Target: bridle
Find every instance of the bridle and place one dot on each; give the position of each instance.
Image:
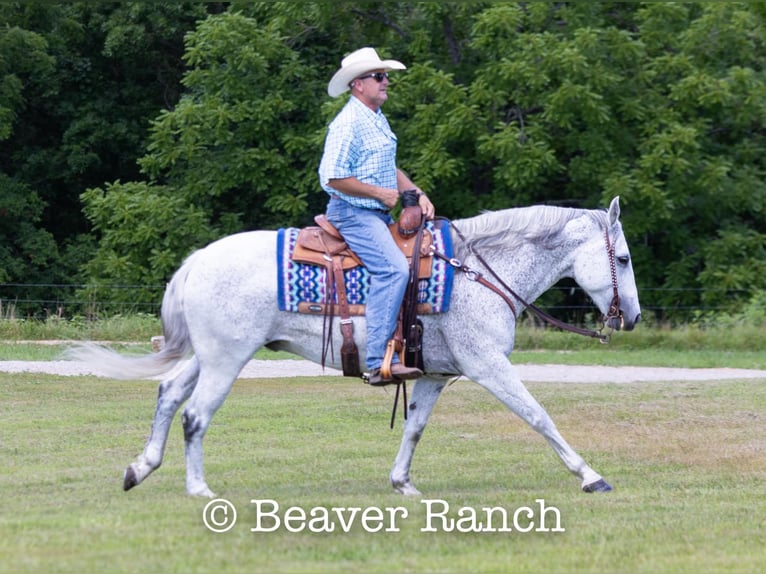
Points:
(473, 275)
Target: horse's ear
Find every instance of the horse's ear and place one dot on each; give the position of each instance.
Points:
(614, 211)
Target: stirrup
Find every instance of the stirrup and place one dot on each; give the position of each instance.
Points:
(388, 357)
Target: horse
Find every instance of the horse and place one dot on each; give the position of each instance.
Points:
(220, 307)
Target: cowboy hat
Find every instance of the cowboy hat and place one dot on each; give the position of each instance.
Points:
(356, 64)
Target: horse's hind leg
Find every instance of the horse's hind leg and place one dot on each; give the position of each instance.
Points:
(208, 396)
(424, 396)
(171, 394)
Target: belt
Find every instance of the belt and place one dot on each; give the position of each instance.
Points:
(375, 209)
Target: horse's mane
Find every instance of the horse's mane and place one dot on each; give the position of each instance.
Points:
(540, 224)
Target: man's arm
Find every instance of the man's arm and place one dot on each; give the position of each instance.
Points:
(352, 186)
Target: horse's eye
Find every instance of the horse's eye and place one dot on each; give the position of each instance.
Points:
(623, 259)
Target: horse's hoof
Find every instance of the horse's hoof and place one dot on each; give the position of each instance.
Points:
(201, 491)
(407, 489)
(599, 486)
(129, 479)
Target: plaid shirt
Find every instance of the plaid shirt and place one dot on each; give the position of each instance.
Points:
(359, 143)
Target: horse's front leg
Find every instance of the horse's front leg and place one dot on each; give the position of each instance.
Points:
(424, 396)
(503, 381)
(172, 393)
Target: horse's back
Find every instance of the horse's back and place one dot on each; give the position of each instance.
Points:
(257, 241)
(233, 278)
(243, 252)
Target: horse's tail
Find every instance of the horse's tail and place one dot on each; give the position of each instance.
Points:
(175, 331)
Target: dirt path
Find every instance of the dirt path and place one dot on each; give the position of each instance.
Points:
(528, 372)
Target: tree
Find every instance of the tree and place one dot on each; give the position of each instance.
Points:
(79, 83)
(161, 225)
(230, 155)
(26, 249)
(502, 104)
(697, 182)
(238, 142)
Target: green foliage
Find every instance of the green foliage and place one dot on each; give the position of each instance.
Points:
(223, 109)
(23, 55)
(735, 262)
(142, 229)
(135, 329)
(24, 248)
(81, 81)
(237, 138)
(436, 125)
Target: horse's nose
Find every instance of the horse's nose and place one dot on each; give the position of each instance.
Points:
(629, 325)
(623, 322)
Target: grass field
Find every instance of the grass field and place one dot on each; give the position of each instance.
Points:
(687, 460)
(597, 354)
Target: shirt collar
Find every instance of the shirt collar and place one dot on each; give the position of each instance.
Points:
(356, 102)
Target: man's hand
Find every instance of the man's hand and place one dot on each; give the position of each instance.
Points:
(425, 204)
(388, 197)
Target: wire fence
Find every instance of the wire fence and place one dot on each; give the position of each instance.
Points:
(568, 302)
(44, 300)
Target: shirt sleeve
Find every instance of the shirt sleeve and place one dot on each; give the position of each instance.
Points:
(339, 158)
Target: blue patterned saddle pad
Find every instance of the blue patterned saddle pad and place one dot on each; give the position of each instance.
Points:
(300, 284)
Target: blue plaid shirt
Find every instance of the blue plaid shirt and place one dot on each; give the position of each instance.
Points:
(359, 143)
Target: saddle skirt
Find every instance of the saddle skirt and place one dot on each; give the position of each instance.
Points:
(302, 287)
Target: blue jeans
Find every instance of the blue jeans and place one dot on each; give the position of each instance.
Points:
(366, 232)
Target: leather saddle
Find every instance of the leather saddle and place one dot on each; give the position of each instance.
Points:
(324, 245)
(316, 243)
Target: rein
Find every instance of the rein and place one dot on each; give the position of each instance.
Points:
(473, 275)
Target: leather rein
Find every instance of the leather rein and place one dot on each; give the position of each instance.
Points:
(473, 275)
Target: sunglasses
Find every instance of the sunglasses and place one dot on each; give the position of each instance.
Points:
(379, 76)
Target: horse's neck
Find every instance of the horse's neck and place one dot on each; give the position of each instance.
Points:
(529, 269)
(525, 245)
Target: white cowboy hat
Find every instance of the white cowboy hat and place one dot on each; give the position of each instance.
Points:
(356, 64)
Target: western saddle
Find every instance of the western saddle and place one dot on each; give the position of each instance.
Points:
(323, 245)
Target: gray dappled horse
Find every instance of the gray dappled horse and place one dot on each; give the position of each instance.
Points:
(222, 306)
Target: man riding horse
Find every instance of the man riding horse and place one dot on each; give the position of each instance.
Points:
(358, 170)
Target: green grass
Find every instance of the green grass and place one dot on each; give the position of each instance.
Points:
(597, 355)
(137, 327)
(731, 336)
(37, 351)
(691, 346)
(645, 358)
(686, 460)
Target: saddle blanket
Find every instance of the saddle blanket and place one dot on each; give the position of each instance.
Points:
(303, 288)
